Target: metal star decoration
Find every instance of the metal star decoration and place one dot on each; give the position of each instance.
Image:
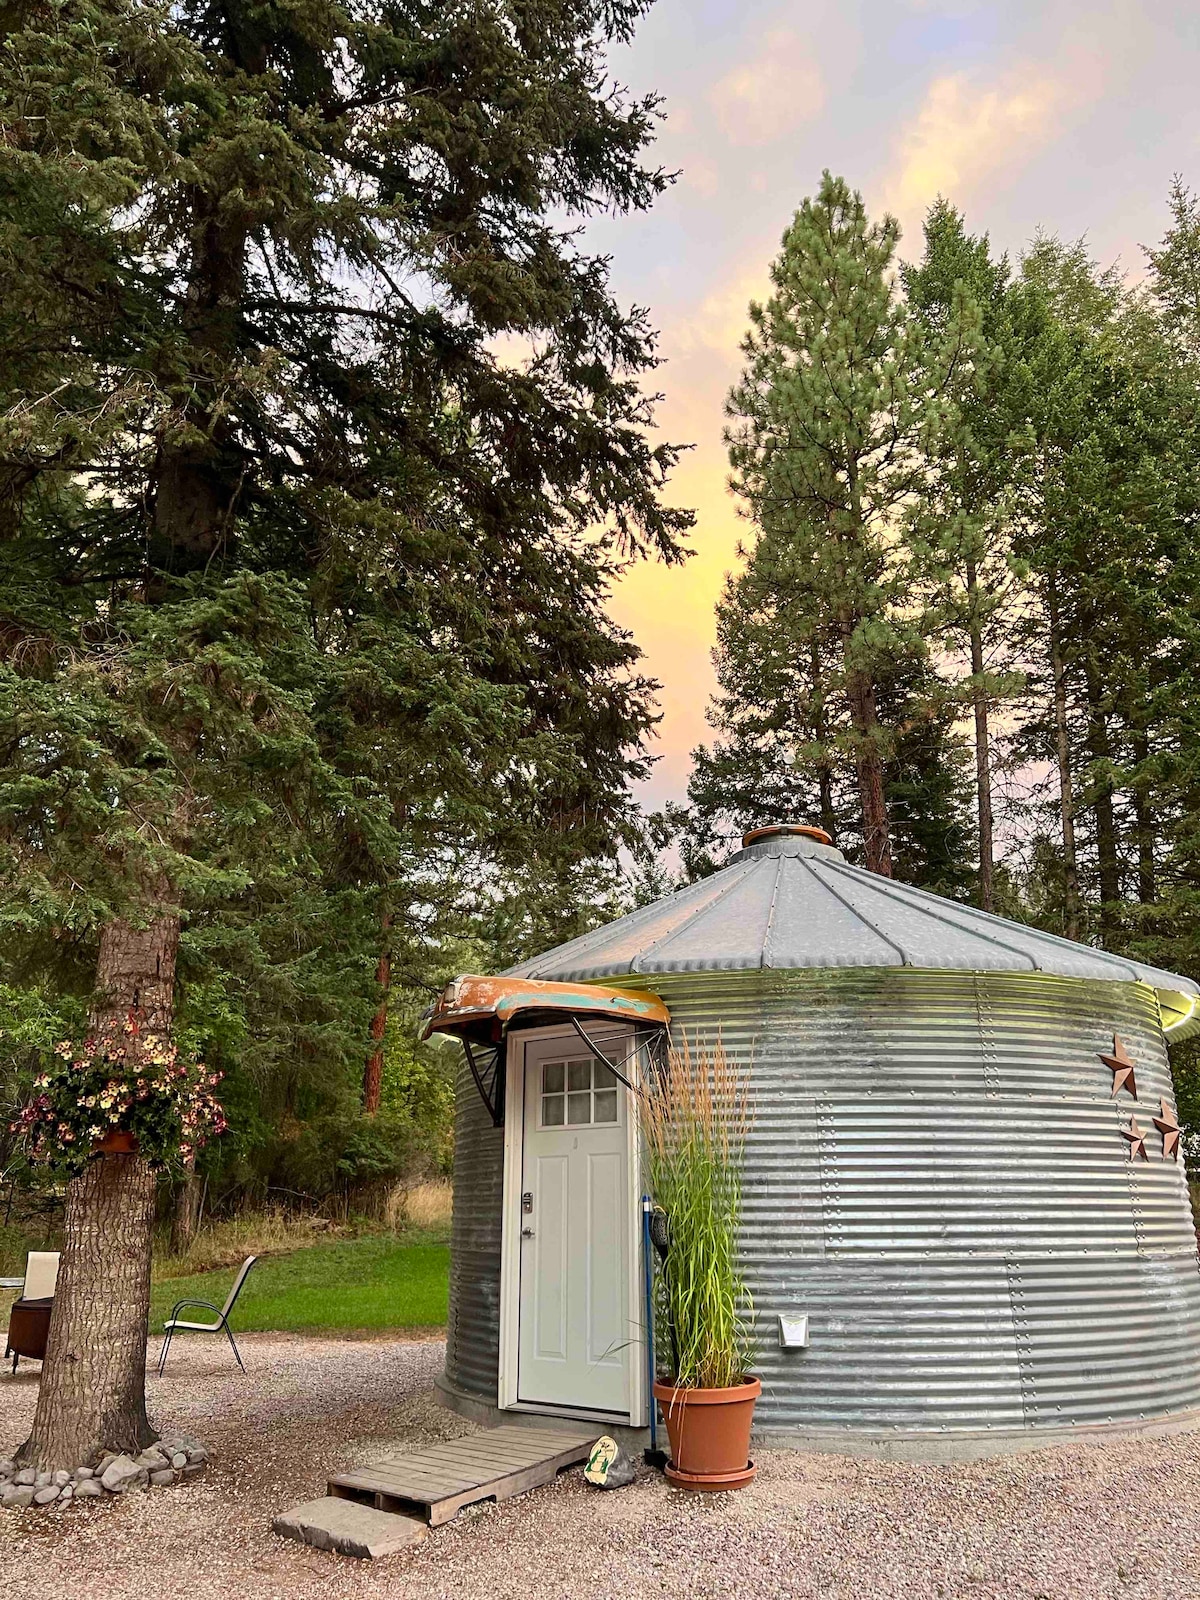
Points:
(1169, 1129)
(1120, 1064)
(1137, 1140)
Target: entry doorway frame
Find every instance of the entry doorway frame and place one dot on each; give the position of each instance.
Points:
(510, 1229)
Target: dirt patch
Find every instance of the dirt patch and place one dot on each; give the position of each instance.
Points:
(1113, 1522)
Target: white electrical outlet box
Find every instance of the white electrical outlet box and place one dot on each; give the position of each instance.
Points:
(793, 1332)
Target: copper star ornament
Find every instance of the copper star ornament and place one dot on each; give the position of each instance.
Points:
(1137, 1140)
(1120, 1064)
(1169, 1129)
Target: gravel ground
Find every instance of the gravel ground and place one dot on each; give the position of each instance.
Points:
(1085, 1521)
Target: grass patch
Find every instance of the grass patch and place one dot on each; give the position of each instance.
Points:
(377, 1281)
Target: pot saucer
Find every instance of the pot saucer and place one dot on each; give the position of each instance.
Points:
(711, 1481)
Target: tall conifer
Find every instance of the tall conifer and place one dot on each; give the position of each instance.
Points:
(307, 623)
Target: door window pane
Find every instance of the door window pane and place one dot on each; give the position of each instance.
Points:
(579, 1109)
(577, 1093)
(606, 1105)
(579, 1075)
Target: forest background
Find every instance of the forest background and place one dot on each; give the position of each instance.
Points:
(309, 520)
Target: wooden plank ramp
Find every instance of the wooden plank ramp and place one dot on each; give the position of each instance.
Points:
(438, 1481)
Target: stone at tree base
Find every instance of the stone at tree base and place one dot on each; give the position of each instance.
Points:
(47, 1496)
(66, 1494)
(17, 1496)
(26, 1475)
(42, 1479)
(61, 1479)
(179, 1460)
(7, 1468)
(88, 1489)
(350, 1529)
(153, 1460)
(83, 1472)
(123, 1474)
(162, 1477)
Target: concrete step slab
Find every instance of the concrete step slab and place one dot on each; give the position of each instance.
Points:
(350, 1528)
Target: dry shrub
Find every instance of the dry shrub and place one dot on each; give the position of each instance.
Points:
(228, 1241)
(421, 1205)
(695, 1115)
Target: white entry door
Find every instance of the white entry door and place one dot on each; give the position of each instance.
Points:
(575, 1333)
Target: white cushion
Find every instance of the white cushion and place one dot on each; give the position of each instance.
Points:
(41, 1274)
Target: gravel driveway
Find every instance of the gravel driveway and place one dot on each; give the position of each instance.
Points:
(1088, 1522)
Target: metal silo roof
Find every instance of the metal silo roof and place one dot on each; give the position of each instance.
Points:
(791, 901)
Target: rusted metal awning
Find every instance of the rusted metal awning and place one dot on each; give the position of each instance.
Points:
(481, 1008)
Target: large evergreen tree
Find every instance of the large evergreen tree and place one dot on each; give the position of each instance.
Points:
(958, 531)
(824, 442)
(839, 388)
(304, 598)
(785, 743)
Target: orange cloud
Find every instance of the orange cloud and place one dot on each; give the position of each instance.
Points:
(964, 134)
(764, 99)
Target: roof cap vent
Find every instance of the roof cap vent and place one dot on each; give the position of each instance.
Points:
(781, 830)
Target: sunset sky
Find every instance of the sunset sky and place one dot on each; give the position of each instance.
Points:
(1052, 114)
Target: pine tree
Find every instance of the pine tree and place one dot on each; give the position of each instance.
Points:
(306, 622)
(1175, 271)
(958, 531)
(824, 441)
(786, 745)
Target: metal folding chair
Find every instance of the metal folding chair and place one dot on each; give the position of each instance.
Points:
(174, 1324)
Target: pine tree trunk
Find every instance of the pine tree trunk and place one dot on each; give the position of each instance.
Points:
(1147, 875)
(860, 692)
(185, 1217)
(869, 764)
(983, 760)
(1066, 791)
(92, 1395)
(821, 730)
(198, 475)
(1107, 853)
(373, 1072)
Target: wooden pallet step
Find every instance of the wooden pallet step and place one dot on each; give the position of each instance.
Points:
(436, 1482)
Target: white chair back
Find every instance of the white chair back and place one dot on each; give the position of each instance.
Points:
(41, 1274)
(243, 1273)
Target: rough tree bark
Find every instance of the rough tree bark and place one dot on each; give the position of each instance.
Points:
(1066, 788)
(821, 729)
(185, 1217)
(92, 1395)
(860, 692)
(1107, 849)
(1143, 817)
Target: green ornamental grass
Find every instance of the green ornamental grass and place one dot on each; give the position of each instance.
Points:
(695, 1115)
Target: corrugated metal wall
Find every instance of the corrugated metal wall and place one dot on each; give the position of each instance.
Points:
(937, 1177)
(473, 1327)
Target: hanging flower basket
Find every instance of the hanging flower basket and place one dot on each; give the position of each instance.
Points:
(130, 1092)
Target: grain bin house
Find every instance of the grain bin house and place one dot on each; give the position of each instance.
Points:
(963, 1171)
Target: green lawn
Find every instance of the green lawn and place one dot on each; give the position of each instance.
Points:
(372, 1282)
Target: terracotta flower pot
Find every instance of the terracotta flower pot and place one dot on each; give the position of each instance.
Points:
(709, 1430)
(116, 1142)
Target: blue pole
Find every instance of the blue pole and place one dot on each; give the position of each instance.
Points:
(648, 1278)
